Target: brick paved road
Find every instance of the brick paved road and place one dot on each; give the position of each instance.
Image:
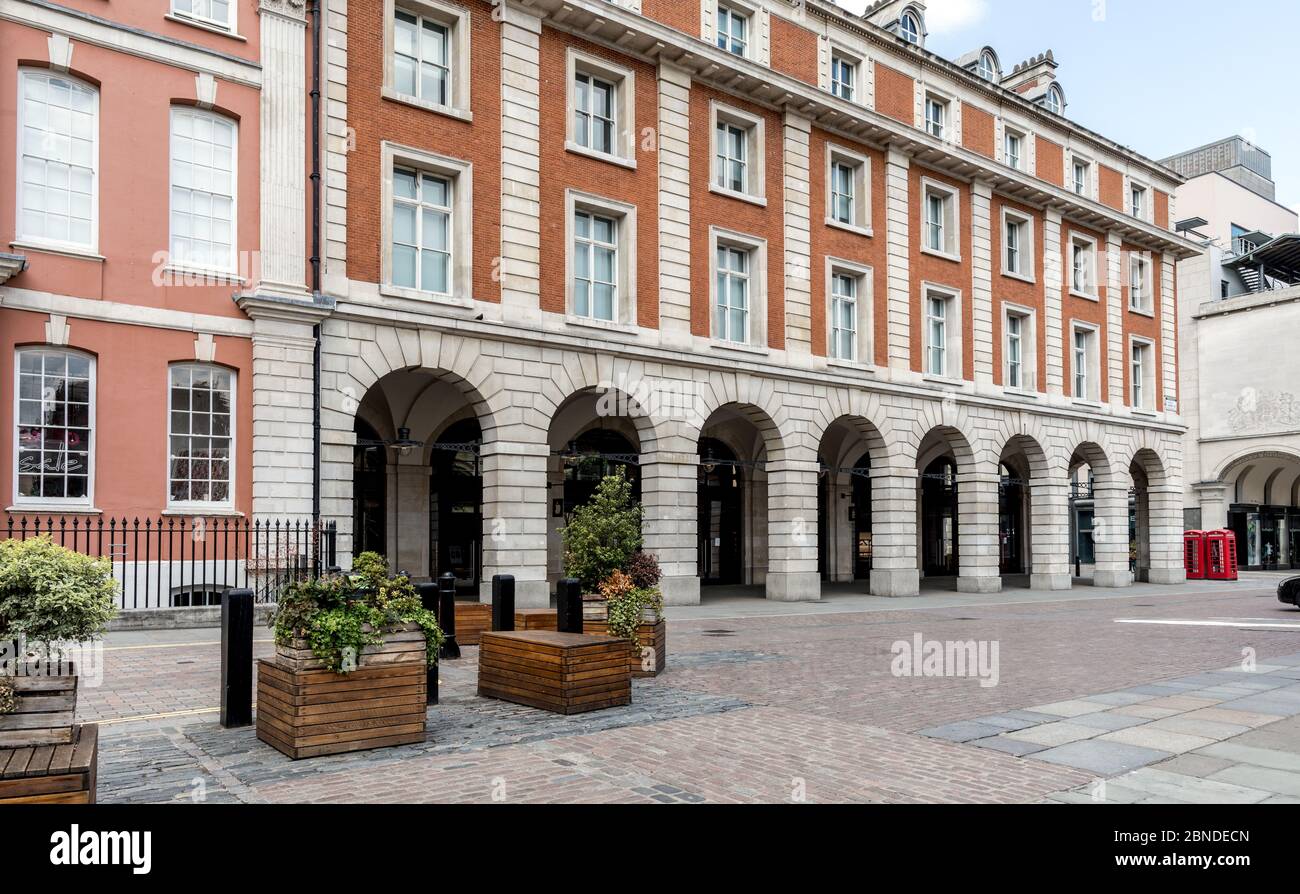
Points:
(767, 707)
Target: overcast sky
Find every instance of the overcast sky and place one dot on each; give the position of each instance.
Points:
(1160, 76)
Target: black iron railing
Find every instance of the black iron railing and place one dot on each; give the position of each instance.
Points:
(190, 561)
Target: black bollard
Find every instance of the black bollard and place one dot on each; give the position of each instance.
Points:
(503, 603)
(447, 616)
(568, 606)
(236, 658)
(429, 599)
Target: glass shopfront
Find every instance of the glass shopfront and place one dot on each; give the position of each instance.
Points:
(1266, 536)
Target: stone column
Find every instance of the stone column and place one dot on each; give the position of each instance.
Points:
(1165, 534)
(515, 509)
(282, 265)
(674, 206)
(792, 530)
(982, 280)
(897, 255)
(669, 493)
(1110, 536)
(894, 568)
(1214, 505)
(798, 236)
(1116, 352)
(977, 530)
(521, 35)
(1053, 271)
(1050, 530)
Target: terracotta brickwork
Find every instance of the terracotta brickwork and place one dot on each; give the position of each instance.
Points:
(977, 130)
(1014, 290)
(836, 242)
(566, 170)
(1137, 323)
(942, 271)
(1162, 210)
(1083, 309)
(895, 94)
(794, 50)
(1051, 161)
(1110, 186)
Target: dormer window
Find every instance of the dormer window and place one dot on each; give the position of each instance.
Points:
(909, 27)
(1054, 101)
(987, 68)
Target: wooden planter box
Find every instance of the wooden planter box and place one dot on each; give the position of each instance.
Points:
(52, 774)
(472, 619)
(536, 619)
(568, 673)
(650, 635)
(46, 705)
(306, 711)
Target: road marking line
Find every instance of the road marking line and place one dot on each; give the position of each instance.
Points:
(1176, 623)
(162, 716)
(172, 645)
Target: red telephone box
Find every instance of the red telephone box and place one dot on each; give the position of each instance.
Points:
(1194, 554)
(1221, 555)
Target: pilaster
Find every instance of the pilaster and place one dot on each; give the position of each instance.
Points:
(898, 249)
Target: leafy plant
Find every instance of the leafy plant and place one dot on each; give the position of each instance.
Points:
(341, 614)
(626, 604)
(50, 594)
(8, 695)
(644, 570)
(603, 534)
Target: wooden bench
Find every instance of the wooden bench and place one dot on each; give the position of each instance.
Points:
(536, 619)
(52, 774)
(568, 673)
(472, 618)
(649, 637)
(47, 703)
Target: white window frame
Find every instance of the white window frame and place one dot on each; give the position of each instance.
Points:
(755, 130)
(62, 503)
(1076, 163)
(1054, 100)
(953, 346)
(625, 295)
(461, 175)
(1009, 134)
(951, 197)
(864, 317)
(943, 105)
(1026, 247)
(623, 80)
(1139, 198)
(1093, 292)
(1028, 347)
(457, 21)
(189, 18)
(1092, 361)
(861, 165)
(26, 239)
(204, 505)
(1140, 262)
(841, 59)
(743, 13)
(756, 299)
(173, 263)
(917, 37)
(1141, 393)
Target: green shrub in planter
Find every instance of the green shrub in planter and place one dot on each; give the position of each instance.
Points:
(50, 594)
(603, 534)
(340, 614)
(8, 695)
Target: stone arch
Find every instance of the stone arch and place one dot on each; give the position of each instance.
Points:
(862, 412)
(1231, 468)
(753, 398)
(952, 422)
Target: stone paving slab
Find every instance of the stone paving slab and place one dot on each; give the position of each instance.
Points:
(1050, 734)
(1100, 757)
(1147, 736)
(1107, 721)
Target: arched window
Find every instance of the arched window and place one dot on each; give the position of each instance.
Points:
(909, 26)
(201, 432)
(1055, 100)
(56, 419)
(58, 167)
(987, 68)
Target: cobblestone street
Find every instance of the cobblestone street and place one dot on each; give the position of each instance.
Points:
(1150, 689)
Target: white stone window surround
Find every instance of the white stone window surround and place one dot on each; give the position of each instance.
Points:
(864, 316)
(74, 504)
(1093, 270)
(755, 127)
(1004, 124)
(757, 31)
(1135, 260)
(1092, 370)
(190, 12)
(756, 337)
(461, 175)
(1020, 163)
(625, 310)
(1147, 387)
(1028, 347)
(181, 265)
(951, 196)
(624, 81)
(457, 21)
(1147, 212)
(861, 163)
(857, 63)
(26, 240)
(232, 464)
(953, 339)
(1074, 157)
(1025, 225)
